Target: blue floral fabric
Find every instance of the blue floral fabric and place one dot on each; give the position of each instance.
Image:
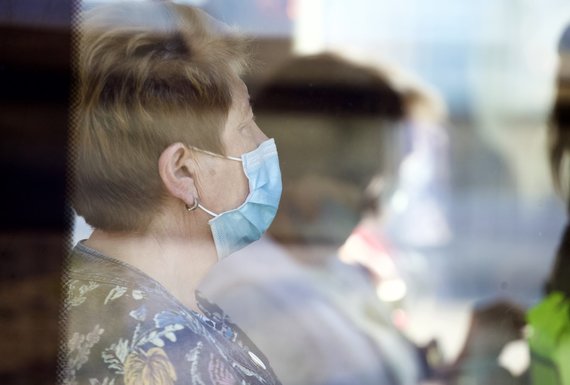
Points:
(122, 327)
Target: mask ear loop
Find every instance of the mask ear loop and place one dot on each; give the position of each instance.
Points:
(194, 206)
(197, 204)
(216, 155)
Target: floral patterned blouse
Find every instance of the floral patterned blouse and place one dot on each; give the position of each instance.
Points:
(122, 327)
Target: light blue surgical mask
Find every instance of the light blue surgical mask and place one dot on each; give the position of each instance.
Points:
(234, 229)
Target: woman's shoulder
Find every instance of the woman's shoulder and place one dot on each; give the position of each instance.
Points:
(120, 329)
(116, 335)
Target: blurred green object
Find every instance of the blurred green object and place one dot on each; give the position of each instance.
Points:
(550, 340)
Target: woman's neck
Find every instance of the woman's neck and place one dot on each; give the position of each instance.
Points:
(177, 263)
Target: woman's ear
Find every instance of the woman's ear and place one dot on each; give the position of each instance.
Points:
(176, 168)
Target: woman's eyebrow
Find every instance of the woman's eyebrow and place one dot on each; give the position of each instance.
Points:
(244, 105)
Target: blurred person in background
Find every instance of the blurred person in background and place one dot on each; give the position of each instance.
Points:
(549, 334)
(338, 125)
(173, 174)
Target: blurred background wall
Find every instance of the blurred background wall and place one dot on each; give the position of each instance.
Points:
(493, 64)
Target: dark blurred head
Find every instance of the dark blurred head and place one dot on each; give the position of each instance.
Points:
(336, 127)
(149, 74)
(560, 125)
(502, 317)
(559, 141)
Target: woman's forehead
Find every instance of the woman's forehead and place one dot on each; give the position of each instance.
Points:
(240, 95)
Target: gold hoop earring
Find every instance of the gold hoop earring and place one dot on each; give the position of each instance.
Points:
(194, 206)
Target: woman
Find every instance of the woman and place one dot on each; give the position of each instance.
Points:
(550, 319)
(173, 174)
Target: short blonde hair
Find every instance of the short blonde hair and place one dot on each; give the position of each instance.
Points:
(148, 75)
